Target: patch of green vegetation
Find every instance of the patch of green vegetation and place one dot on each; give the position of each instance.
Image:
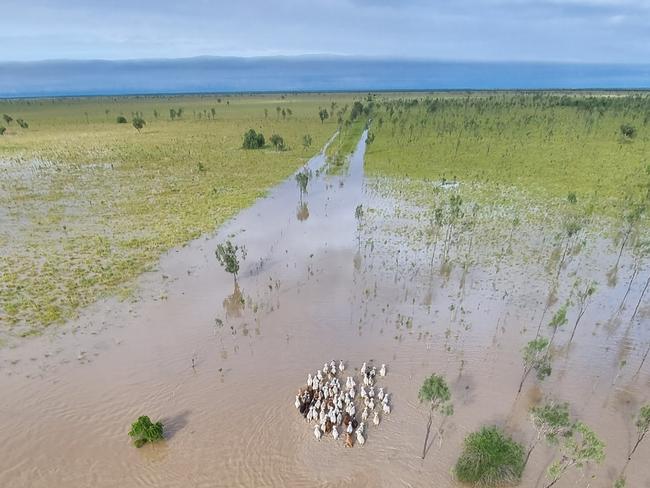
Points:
(89, 204)
(352, 124)
(545, 145)
(144, 430)
(490, 458)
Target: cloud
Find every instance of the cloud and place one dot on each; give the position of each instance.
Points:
(563, 30)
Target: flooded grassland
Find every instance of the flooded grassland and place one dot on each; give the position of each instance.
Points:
(453, 277)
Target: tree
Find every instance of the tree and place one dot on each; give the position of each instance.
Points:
(302, 178)
(583, 301)
(7, 118)
(577, 450)
(357, 110)
(490, 458)
(642, 428)
(2, 130)
(558, 320)
(323, 114)
(144, 430)
(536, 357)
(306, 141)
(226, 254)
(278, 142)
(253, 140)
(436, 392)
(172, 113)
(138, 123)
(121, 119)
(551, 422)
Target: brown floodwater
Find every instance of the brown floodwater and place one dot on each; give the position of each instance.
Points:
(315, 286)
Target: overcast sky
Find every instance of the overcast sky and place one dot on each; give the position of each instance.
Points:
(484, 30)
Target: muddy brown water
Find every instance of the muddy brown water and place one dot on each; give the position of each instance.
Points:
(310, 290)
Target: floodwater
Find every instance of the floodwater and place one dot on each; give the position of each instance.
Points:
(315, 286)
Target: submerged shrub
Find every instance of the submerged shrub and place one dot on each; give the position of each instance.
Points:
(253, 140)
(490, 458)
(144, 430)
(121, 119)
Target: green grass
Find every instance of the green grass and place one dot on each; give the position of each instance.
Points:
(89, 204)
(543, 145)
(338, 153)
(490, 458)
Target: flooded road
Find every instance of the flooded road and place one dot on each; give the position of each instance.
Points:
(318, 284)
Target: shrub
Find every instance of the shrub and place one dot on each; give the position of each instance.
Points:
(138, 123)
(121, 119)
(628, 131)
(7, 118)
(278, 142)
(253, 140)
(490, 458)
(144, 430)
(23, 124)
(2, 130)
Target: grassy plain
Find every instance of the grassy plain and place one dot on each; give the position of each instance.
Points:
(87, 204)
(546, 145)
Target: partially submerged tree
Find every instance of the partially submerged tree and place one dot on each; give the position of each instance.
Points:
(227, 253)
(536, 357)
(435, 392)
(490, 458)
(558, 320)
(551, 422)
(144, 430)
(578, 450)
(642, 428)
(583, 302)
(302, 178)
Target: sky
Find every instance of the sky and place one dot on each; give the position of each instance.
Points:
(583, 31)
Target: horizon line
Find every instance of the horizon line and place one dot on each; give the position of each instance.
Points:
(323, 57)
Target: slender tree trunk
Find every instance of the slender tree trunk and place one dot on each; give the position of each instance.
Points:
(620, 252)
(575, 326)
(530, 451)
(645, 356)
(426, 438)
(552, 483)
(636, 309)
(638, 441)
(629, 287)
(559, 267)
(523, 379)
